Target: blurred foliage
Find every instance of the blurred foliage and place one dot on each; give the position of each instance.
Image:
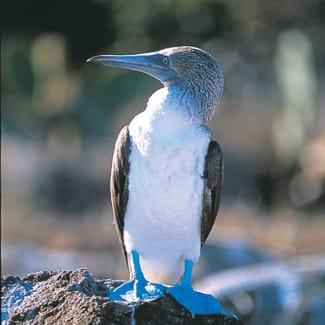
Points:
(44, 47)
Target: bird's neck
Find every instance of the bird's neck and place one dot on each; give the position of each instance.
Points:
(168, 117)
(181, 101)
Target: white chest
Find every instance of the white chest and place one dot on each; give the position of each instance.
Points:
(165, 187)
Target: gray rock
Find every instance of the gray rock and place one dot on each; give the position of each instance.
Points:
(76, 297)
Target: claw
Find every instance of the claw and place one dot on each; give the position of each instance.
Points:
(135, 290)
(196, 303)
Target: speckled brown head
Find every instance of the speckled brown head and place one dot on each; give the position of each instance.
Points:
(192, 71)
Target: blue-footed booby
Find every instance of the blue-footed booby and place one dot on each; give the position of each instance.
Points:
(167, 174)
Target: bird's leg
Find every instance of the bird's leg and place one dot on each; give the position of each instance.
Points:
(137, 288)
(136, 272)
(195, 302)
(186, 279)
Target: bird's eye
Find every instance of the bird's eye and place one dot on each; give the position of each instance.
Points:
(165, 60)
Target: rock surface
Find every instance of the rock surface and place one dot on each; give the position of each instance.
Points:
(76, 297)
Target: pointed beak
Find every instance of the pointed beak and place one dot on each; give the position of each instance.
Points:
(154, 64)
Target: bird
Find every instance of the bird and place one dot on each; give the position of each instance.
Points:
(167, 175)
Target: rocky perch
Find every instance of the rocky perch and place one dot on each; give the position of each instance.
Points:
(76, 297)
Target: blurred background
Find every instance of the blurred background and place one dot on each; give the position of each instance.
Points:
(61, 116)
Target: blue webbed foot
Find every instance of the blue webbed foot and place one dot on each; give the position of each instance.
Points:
(196, 303)
(135, 290)
(138, 288)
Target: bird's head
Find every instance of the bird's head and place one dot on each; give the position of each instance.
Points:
(186, 67)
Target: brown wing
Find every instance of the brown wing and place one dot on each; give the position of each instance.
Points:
(213, 179)
(119, 181)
